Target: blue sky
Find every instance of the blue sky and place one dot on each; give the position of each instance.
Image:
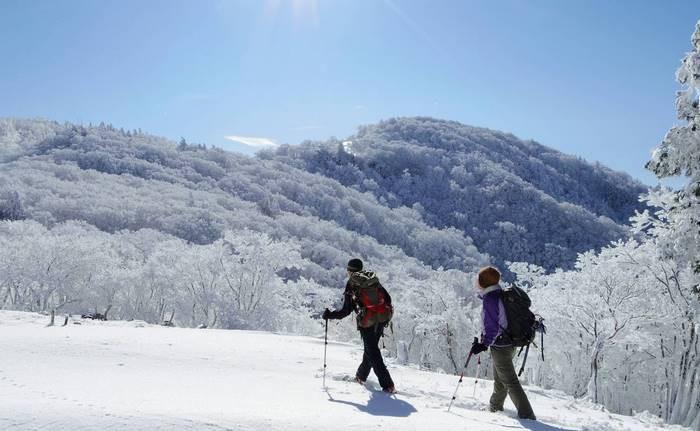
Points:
(591, 78)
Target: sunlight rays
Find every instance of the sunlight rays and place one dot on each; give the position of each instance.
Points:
(303, 12)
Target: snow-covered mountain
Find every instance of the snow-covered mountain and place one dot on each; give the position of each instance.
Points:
(132, 376)
(518, 200)
(427, 187)
(117, 180)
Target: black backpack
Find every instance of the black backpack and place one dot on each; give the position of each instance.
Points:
(522, 322)
(523, 325)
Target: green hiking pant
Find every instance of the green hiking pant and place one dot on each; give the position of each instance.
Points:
(505, 382)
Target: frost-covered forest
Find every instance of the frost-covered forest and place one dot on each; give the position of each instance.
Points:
(518, 200)
(132, 226)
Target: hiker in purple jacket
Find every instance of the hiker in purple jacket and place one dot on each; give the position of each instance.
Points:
(494, 336)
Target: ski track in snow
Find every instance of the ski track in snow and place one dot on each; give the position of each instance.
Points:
(134, 376)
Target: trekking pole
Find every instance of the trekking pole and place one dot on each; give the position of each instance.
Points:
(478, 370)
(461, 377)
(522, 368)
(325, 348)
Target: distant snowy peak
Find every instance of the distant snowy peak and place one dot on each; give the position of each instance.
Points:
(443, 192)
(519, 200)
(522, 158)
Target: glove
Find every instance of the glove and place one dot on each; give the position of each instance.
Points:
(477, 348)
(326, 314)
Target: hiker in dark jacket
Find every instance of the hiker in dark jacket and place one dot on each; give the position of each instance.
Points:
(493, 316)
(372, 303)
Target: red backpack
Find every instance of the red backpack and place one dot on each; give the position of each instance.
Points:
(370, 300)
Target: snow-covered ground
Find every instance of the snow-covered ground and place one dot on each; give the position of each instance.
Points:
(134, 376)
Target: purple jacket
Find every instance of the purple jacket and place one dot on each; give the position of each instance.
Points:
(493, 317)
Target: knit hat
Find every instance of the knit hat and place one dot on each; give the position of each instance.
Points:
(488, 277)
(354, 265)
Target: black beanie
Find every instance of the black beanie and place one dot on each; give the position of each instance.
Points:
(354, 265)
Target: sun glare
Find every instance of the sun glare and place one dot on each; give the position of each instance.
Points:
(303, 12)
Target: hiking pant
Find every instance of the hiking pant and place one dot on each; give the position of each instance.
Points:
(505, 382)
(372, 357)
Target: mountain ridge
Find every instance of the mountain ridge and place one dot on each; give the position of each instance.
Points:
(115, 180)
(423, 185)
(472, 179)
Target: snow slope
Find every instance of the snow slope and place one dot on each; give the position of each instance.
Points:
(134, 376)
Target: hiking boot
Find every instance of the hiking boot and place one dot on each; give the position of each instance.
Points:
(530, 417)
(359, 380)
(389, 390)
(493, 409)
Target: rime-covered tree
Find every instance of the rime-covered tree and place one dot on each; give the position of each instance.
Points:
(11, 206)
(679, 155)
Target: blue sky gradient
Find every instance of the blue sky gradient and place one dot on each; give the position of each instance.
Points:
(591, 78)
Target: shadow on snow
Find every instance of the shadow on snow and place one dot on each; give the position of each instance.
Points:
(540, 426)
(380, 404)
(524, 424)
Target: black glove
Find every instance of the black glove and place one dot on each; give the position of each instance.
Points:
(477, 348)
(326, 314)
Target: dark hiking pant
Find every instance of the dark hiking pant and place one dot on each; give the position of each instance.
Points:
(505, 382)
(372, 358)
